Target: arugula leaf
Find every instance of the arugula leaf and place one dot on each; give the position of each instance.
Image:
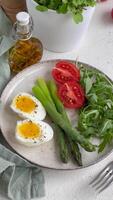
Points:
(107, 125)
(106, 140)
(96, 118)
(88, 85)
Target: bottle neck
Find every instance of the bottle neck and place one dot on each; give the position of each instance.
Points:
(22, 32)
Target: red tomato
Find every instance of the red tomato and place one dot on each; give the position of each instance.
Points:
(65, 71)
(71, 94)
(112, 13)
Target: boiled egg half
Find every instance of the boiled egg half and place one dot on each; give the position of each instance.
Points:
(27, 106)
(32, 133)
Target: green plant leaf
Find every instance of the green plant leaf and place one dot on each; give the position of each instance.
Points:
(96, 118)
(62, 9)
(88, 85)
(41, 8)
(106, 140)
(77, 17)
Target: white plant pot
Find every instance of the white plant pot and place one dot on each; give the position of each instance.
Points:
(58, 32)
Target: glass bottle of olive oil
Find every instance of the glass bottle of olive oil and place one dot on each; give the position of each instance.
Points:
(27, 49)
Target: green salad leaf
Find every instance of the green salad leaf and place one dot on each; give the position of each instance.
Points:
(74, 7)
(96, 117)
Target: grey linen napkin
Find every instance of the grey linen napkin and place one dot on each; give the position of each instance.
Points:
(19, 179)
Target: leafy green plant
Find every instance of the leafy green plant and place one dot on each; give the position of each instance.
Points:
(74, 7)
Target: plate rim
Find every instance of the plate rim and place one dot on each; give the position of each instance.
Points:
(26, 71)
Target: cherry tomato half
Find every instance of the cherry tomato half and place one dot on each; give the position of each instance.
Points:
(71, 94)
(65, 71)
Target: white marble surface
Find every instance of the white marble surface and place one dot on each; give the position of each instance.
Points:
(96, 50)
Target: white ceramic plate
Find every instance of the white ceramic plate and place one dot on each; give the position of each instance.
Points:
(47, 154)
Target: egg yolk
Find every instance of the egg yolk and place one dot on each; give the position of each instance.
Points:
(29, 130)
(25, 104)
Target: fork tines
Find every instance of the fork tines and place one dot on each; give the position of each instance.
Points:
(103, 179)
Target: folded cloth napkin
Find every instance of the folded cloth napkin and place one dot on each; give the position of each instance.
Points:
(19, 179)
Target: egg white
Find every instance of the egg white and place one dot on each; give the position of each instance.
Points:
(38, 114)
(46, 133)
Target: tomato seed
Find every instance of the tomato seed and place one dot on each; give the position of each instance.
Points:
(62, 77)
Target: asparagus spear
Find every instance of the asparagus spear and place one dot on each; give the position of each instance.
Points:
(73, 145)
(76, 152)
(42, 84)
(63, 148)
(59, 105)
(57, 118)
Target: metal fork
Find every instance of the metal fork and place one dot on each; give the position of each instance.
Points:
(103, 179)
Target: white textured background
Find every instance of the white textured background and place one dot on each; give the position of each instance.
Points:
(96, 50)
